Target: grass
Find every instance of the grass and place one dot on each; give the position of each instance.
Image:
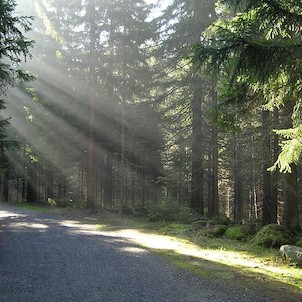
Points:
(32, 207)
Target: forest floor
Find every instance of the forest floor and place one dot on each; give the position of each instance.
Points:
(233, 263)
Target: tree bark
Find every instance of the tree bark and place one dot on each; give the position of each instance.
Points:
(5, 191)
(49, 184)
(291, 208)
(108, 181)
(238, 205)
(291, 204)
(214, 196)
(92, 95)
(269, 208)
(197, 181)
(31, 186)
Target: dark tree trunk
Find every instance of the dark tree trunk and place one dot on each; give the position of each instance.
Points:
(23, 198)
(197, 181)
(49, 184)
(108, 181)
(291, 204)
(143, 189)
(269, 208)
(5, 191)
(238, 203)
(31, 187)
(290, 211)
(214, 196)
(133, 187)
(276, 151)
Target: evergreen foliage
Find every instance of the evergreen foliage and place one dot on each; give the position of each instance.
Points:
(14, 49)
(14, 45)
(255, 51)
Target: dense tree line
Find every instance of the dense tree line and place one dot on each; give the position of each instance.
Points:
(130, 108)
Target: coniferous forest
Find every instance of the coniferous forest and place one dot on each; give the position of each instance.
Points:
(128, 105)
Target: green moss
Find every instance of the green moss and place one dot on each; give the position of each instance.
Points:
(215, 231)
(199, 224)
(222, 220)
(237, 232)
(273, 235)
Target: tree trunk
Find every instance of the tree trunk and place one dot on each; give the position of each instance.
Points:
(214, 196)
(108, 181)
(92, 95)
(291, 208)
(276, 151)
(143, 189)
(23, 197)
(31, 187)
(291, 205)
(197, 181)
(49, 184)
(238, 205)
(5, 191)
(269, 207)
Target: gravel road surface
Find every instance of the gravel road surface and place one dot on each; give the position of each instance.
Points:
(45, 259)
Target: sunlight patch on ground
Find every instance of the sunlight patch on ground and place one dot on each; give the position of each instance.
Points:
(79, 227)
(160, 242)
(21, 225)
(134, 250)
(6, 214)
(240, 260)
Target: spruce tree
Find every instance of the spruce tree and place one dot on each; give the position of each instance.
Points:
(15, 48)
(254, 49)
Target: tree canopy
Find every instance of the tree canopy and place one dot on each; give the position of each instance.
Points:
(14, 45)
(254, 49)
(14, 48)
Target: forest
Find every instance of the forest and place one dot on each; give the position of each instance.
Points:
(127, 105)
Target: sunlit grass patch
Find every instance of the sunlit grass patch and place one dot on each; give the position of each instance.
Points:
(235, 268)
(32, 207)
(211, 258)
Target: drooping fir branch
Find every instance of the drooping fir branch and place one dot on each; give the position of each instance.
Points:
(14, 46)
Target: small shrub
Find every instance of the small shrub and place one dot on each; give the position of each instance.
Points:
(61, 203)
(299, 243)
(185, 215)
(251, 227)
(222, 220)
(199, 224)
(273, 235)
(169, 213)
(237, 232)
(161, 212)
(215, 231)
(140, 211)
(126, 210)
